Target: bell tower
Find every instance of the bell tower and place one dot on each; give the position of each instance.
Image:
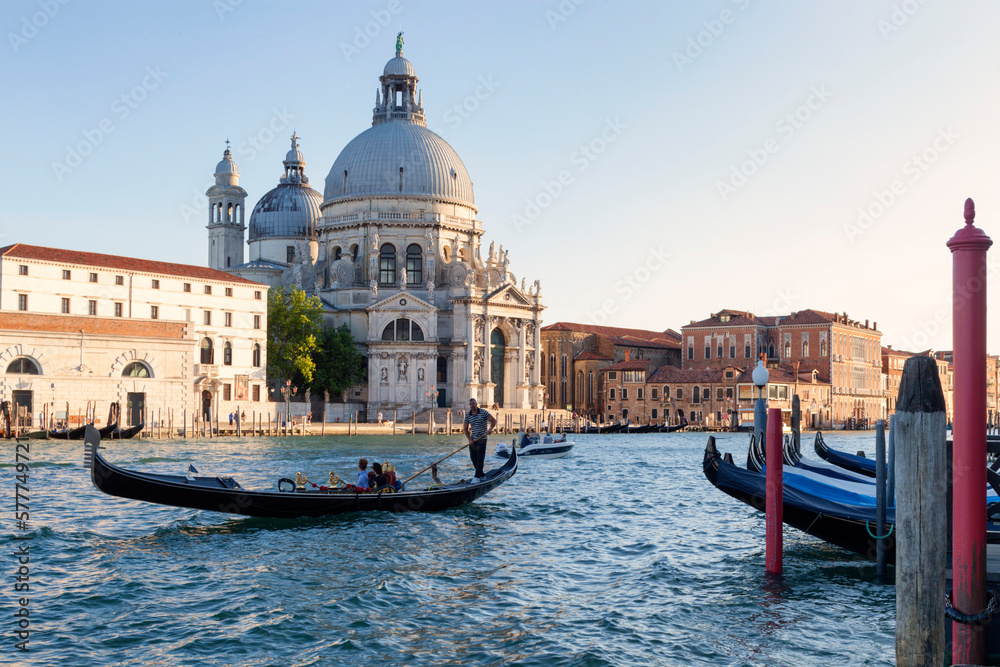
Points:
(226, 204)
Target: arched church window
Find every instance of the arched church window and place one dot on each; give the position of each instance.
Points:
(552, 365)
(227, 354)
(354, 252)
(446, 251)
(403, 330)
(229, 213)
(206, 351)
(136, 369)
(23, 366)
(256, 355)
(414, 265)
(805, 348)
(462, 255)
(788, 350)
(387, 264)
(336, 253)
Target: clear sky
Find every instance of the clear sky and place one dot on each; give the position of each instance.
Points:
(650, 163)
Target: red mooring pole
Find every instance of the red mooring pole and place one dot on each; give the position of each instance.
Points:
(968, 247)
(775, 491)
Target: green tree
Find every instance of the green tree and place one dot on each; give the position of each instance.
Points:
(339, 365)
(294, 323)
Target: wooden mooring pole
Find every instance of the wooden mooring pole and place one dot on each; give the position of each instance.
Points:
(921, 524)
(968, 247)
(880, 502)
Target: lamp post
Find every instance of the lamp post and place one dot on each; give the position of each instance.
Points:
(760, 377)
(432, 396)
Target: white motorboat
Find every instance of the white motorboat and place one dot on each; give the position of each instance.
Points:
(545, 446)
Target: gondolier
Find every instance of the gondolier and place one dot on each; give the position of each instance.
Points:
(477, 427)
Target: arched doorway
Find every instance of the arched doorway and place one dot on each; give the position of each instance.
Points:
(442, 382)
(206, 406)
(498, 345)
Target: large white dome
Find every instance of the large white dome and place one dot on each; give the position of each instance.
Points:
(399, 158)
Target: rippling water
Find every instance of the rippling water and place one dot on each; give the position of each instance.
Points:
(620, 554)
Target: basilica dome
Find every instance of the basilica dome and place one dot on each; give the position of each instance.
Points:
(292, 208)
(398, 155)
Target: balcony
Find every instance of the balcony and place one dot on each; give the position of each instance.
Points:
(206, 370)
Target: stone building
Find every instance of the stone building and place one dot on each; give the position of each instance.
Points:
(784, 382)
(845, 352)
(153, 336)
(625, 394)
(700, 397)
(573, 356)
(393, 248)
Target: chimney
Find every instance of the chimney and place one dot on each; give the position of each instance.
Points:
(628, 353)
(866, 324)
(875, 326)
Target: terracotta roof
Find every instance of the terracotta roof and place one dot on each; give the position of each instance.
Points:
(621, 336)
(896, 353)
(628, 366)
(60, 256)
(809, 316)
(670, 375)
(590, 355)
(784, 375)
(737, 318)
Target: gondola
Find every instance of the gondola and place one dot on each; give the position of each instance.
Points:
(792, 457)
(672, 429)
(613, 428)
(830, 516)
(224, 494)
(78, 432)
(852, 462)
(125, 433)
(841, 512)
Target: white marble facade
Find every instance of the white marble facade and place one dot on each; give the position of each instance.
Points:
(394, 253)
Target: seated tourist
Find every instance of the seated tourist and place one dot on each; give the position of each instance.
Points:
(378, 481)
(363, 474)
(548, 438)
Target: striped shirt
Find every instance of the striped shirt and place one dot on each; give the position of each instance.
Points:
(478, 424)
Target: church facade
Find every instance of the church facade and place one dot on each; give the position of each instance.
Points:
(393, 248)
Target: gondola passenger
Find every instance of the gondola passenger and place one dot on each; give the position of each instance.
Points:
(363, 474)
(378, 481)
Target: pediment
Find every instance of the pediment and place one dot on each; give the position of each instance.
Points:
(401, 302)
(509, 295)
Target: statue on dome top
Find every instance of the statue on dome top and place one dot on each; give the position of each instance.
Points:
(399, 45)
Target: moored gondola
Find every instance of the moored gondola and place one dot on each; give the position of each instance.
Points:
(829, 516)
(126, 433)
(224, 494)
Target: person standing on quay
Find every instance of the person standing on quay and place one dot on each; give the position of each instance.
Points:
(478, 426)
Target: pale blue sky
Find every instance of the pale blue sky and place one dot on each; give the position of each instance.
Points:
(874, 83)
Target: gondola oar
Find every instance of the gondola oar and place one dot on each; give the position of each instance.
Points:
(435, 463)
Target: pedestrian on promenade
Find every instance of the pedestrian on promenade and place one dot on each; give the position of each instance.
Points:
(477, 427)
(230, 418)
(379, 417)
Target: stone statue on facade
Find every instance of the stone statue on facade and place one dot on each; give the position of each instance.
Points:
(492, 245)
(480, 325)
(524, 284)
(402, 277)
(430, 289)
(385, 375)
(373, 286)
(477, 364)
(401, 368)
(420, 375)
(399, 45)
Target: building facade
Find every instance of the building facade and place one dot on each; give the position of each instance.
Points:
(394, 249)
(79, 328)
(574, 356)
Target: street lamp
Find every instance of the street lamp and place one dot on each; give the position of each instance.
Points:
(432, 396)
(760, 377)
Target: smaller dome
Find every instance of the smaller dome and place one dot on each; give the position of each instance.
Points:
(289, 210)
(399, 66)
(294, 155)
(227, 166)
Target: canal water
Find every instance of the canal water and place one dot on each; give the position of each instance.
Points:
(620, 554)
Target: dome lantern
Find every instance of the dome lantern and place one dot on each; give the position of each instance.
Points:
(398, 98)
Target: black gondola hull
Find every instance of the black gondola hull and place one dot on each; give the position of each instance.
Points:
(223, 495)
